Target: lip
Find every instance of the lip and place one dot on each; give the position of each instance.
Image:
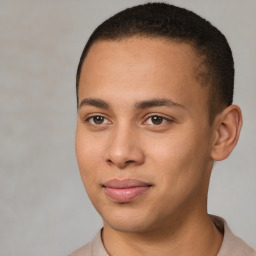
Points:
(124, 191)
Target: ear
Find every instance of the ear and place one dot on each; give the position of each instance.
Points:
(228, 125)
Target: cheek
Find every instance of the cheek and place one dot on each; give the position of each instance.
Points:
(181, 160)
(87, 153)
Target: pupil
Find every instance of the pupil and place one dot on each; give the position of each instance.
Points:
(98, 119)
(157, 120)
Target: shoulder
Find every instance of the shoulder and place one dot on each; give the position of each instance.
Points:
(232, 245)
(239, 248)
(93, 248)
(85, 250)
(235, 246)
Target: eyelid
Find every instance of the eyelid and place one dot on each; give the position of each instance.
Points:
(88, 117)
(167, 119)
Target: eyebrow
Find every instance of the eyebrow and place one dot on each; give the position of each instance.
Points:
(138, 105)
(98, 103)
(157, 103)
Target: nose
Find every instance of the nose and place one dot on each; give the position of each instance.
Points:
(124, 148)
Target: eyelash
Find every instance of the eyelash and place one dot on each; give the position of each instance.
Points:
(163, 119)
(95, 116)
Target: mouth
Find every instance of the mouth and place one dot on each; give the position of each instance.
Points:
(124, 191)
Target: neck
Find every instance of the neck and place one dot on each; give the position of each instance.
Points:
(194, 236)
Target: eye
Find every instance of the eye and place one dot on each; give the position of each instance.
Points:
(156, 120)
(97, 120)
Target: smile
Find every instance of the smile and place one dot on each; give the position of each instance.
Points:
(124, 191)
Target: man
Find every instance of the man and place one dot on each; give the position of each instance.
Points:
(154, 94)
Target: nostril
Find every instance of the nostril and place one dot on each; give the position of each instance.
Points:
(121, 164)
(129, 162)
(109, 162)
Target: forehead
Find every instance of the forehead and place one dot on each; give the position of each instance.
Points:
(148, 66)
(159, 51)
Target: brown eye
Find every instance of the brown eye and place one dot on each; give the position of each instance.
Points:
(157, 120)
(98, 120)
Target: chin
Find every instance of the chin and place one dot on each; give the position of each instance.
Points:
(130, 221)
(129, 226)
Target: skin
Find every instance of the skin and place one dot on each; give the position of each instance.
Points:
(174, 155)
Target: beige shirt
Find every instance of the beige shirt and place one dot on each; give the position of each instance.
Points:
(231, 245)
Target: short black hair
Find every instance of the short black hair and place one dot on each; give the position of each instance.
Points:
(161, 20)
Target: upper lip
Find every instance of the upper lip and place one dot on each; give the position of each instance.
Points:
(127, 183)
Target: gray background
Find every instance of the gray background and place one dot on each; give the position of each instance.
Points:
(44, 209)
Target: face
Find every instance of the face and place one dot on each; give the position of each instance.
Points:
(143, 139)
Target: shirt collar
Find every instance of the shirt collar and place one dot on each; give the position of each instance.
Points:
(231, 245)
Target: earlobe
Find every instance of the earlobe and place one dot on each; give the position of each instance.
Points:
(228, 126)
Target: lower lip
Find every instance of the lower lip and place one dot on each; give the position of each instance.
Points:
(125, 195)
